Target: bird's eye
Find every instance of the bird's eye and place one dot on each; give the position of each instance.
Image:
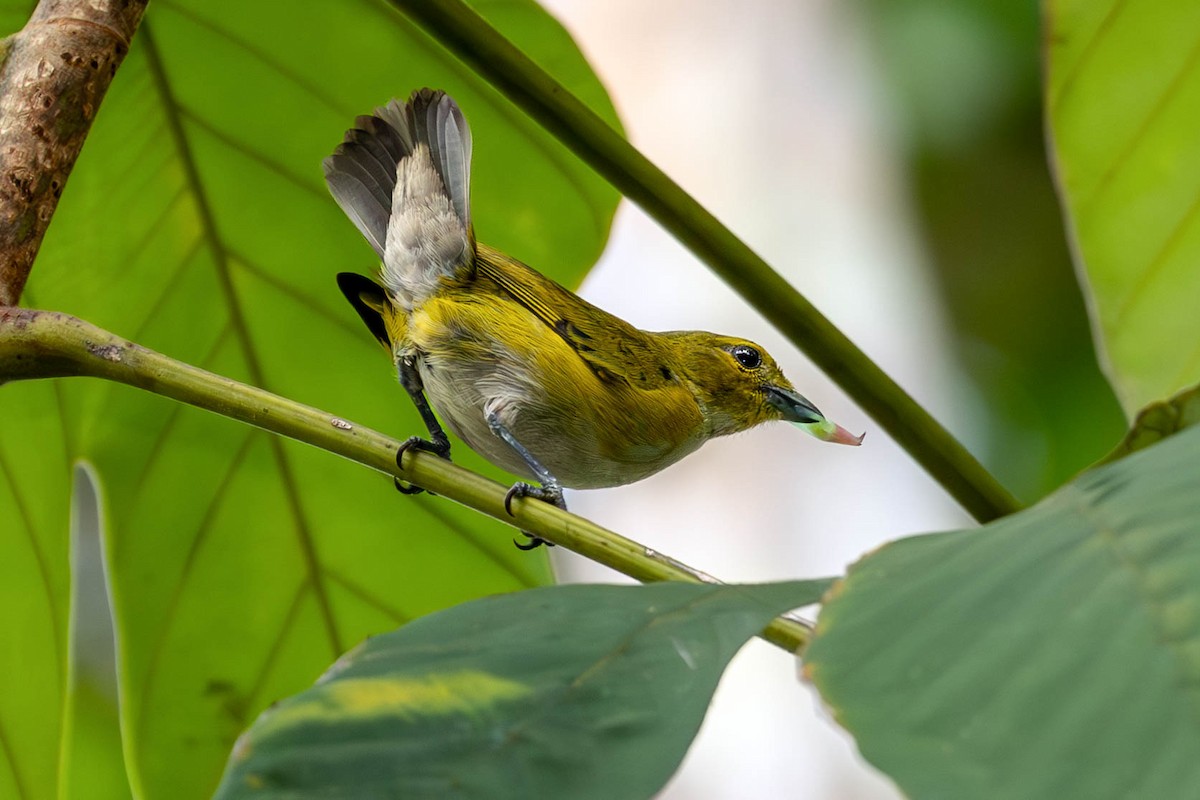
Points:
(748, 357)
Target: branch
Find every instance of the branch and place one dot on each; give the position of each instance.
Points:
(46, 344)
(466, 34)
(55, 73)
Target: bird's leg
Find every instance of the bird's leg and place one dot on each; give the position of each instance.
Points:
(438, 443)
(550, 491)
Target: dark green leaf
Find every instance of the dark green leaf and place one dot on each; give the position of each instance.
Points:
(1050, 654)
(568, 691)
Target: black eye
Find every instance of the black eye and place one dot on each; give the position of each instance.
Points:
(748, 357)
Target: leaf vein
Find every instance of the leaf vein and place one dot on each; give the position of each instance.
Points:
(168, 287)
(300, 297)
(245, 149)
(1146, 277)
(155, 226)
(308, 87)
(435, 509)
(189, 561)
(371, 599)
(289, 620)
(1139, 136)
(159, 444)
(1068, 83)
(551, 150)
(39, 557)
(221, 262)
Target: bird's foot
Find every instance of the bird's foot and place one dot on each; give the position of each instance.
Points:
(551, 493)
(439, 447)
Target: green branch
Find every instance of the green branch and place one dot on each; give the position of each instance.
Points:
(45, 344)
(484, 49)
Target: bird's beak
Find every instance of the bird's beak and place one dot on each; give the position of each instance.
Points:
(804, 415)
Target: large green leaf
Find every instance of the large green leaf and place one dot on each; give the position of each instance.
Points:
(197, 223)
(1051, 654)
(1123, 99)
(35, 481)
(566, 691)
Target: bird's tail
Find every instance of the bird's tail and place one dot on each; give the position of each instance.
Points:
(402, 176)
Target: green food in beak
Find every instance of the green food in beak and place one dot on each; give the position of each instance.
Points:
(804, 415)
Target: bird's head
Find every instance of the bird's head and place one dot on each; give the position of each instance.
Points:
(738, 385)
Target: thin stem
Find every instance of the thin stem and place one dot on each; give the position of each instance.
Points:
(45, 344)
(466, 34)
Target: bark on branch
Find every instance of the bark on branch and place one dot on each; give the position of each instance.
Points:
(55, 73)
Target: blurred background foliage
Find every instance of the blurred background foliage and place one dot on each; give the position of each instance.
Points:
(965, 84)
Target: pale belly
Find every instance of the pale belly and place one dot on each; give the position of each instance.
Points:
(567, 446)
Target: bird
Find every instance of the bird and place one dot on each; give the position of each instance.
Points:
(531, 376)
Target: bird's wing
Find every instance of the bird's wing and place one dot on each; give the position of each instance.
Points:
(612, 348)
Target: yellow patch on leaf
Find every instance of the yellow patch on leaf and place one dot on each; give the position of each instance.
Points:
(467, 692)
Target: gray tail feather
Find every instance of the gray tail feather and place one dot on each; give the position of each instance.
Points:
(361, 173)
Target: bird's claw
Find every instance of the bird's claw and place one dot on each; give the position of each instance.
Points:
(440, 448)
(551, 494)
(405, 488)
(533, 543)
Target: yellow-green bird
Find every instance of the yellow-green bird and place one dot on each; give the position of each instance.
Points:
(540, 382)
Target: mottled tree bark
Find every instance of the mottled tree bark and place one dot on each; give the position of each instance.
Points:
(54, 75)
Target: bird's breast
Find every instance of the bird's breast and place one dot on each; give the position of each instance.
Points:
(587, 431)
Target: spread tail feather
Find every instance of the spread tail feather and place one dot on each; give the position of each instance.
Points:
(403, 178)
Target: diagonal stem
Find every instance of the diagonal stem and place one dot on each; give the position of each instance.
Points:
(466, 34)
(46, 344)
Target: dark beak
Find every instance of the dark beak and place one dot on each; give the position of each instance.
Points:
(793, 407)
(805, 415)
